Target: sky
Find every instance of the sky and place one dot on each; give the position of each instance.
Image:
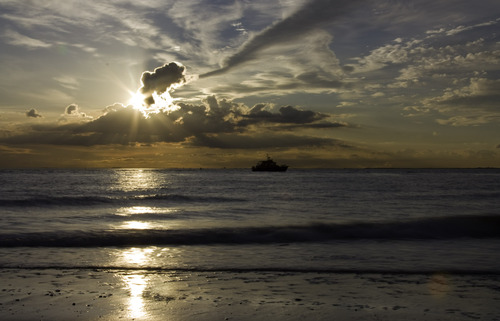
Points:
(220, 83)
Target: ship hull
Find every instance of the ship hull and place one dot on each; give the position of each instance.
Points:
(277, 169)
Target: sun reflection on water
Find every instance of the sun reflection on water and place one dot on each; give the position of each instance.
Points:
(137, 255)
(140, 210)
(136, 225)
(137, 179)
(134, 210)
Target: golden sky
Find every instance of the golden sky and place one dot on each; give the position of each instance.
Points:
(199, 83)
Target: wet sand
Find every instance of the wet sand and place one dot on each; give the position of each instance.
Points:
(89, 294)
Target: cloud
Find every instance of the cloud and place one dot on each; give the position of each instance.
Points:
(432, 52)
(447, 78)
(33, 113)
(72, 113)
(477, 103)
(262, 140)
(286, 115)
(394, 53)
(459, 29)
(314, 14)
(211, 123)
(68, 82)
(162, 79)
(17, 39)
(469, 120)
(308, 66)
(480, 94)
(71, 110)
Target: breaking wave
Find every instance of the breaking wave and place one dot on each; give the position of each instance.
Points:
(103, 200)
(434, 228)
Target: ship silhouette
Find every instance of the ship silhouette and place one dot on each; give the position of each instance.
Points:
(269, 165)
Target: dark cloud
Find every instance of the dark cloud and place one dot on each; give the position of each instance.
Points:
(316, 125)
(263, 140)
(314, 14)
(286, 115)
(33, 113)
(348, 68)
(215, 123)
(71, 109)
(161, 80)
(293, 115)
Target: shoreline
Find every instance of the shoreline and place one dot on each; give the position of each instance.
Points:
(191, 294)
(237, 270)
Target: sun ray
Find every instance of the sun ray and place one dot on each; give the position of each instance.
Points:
(136, 100)
(162, 103)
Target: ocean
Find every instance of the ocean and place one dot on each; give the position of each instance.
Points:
(353, 221)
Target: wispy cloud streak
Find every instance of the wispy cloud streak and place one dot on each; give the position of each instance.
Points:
(313, 15)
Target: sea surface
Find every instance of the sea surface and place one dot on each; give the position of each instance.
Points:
(370, 220)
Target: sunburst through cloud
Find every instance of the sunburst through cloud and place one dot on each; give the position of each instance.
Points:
(325, 83)
(249, 159)
(154, 95)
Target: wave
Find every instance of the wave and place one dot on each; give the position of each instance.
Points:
(424, 229)
(102, 200)
(185, 198)
(239, 270)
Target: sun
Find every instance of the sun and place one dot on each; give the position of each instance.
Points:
(162, 103)
(136, 100)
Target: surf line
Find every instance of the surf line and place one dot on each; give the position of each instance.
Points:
(98, 268)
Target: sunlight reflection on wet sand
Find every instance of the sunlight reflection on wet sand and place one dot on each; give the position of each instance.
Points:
(136, 283)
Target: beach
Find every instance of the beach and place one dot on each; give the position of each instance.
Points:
(103, 294)
(131, 244)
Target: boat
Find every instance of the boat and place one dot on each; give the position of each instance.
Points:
(269, 165)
